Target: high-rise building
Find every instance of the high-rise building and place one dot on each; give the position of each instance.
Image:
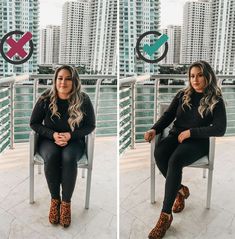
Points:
(103, 36)
(49, 45)
(42, 46)
(75, 33)
(88, 35)
(174, 41)
(223, 36)
(20, 15)
(136, 18)
(196, 38)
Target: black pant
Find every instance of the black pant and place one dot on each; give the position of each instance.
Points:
(60, 166)
(171, 157)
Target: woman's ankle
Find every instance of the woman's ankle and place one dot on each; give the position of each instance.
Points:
(168, 214)
(181, 191)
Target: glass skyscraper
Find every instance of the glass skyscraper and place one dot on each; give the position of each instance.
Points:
(136, 17)
(20, 15)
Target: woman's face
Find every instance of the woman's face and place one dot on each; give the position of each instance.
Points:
(64, 83)
(197, 79)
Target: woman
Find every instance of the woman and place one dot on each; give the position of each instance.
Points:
(198, 113)
(62, 117)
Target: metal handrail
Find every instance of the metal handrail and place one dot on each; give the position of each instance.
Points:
(9, 100)
(133, 79)
(81, 76)
(13, 79)
(9, 82)
(131, 82)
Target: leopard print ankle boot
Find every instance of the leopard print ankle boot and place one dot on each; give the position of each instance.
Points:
(54, 214)
(65, 214)
(159, 231)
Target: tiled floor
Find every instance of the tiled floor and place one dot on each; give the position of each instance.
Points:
(138, 215)
(21, 220)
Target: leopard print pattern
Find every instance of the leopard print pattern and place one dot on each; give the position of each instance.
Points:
(179, 203)
(54, 214)
(161, 227)
(65, 214)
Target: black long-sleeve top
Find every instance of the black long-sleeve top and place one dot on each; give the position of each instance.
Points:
(212, 124)
(42, 123)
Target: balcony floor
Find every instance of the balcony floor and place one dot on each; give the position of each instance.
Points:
(21, 220)
(138, 215)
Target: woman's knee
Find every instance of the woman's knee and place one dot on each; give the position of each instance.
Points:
(164, 149)
(72, 153)
(51, 158)
(49, 151)
(69, 159)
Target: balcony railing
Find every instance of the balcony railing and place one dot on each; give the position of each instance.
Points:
(141, 95)
(19, 94)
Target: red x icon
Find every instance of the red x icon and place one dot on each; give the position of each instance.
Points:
(17, 46)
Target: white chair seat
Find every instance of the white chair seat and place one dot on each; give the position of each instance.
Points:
(83, 162)
(202, 162)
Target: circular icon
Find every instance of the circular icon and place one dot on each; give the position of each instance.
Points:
(151, 49)
(16, 47)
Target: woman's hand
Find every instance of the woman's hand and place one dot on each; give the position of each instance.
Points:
(66, 136)
(61, 143)
(149, 135)
(56, 136)
(184, 135)
(61, 139)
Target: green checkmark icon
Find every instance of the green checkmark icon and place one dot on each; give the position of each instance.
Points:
(151, 49)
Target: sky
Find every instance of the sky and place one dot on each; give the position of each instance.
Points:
(171, 12)
(51, 12)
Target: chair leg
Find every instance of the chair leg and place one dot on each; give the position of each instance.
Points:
(39, 169)
(209, 187)
(152, 182)
(31, 182)
(88, 188)
(152, 173)
(204, 173)
(83, 172)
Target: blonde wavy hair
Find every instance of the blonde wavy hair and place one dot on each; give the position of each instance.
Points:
(211, 93)
(75, 97)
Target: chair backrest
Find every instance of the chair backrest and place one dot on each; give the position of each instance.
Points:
(162, 108)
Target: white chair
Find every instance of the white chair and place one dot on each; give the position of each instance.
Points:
(206, 162)
(85, 162)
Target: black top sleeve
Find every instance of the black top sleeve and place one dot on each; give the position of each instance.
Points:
(169, 115)
(88, 120)
(37, 117)
(218, 125)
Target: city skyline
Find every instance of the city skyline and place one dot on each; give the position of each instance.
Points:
(87, 37)
(171, 12)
